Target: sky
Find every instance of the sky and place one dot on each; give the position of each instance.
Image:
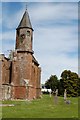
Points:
(40, 0)
(55, 37)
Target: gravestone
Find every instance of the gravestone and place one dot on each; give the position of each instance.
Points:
(50, 92)
(68, 102)
(65, 95)
(65, 98)
(56, 96)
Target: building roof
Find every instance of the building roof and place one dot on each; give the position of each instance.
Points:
(35, 61)
(2, 57)
(25, 21)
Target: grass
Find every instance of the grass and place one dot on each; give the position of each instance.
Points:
(41, 108)
(0, 110)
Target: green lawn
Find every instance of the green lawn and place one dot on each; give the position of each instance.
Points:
(41, 108)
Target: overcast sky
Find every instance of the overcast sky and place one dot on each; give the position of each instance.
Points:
(55, 41)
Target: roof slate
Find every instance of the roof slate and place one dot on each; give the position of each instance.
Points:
(25, 21)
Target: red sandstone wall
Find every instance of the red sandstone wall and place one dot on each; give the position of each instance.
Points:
(15, 74)
(5, 71)
(21, 68)
(19, 92)
(35, 91)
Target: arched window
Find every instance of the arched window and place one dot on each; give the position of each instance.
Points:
(28, 33)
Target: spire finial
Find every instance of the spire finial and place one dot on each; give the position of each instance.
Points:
(26, 6)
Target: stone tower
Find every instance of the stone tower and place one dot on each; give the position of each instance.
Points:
(24, 34)
(25, 78)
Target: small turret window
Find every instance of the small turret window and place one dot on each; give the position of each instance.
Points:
(28, 33)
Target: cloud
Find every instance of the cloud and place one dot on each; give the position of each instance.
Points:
(39, 0)
(0, 17)
(55, 42)
(0, 41)
(53, 49)
(56, 64)
(11, 21)
(7, 41)
(0, 46)
(10, 46)
(43, 12)
(54, 11)
(10, 35)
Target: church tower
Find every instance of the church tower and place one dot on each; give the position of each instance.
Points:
(24, 34)
(25, 68)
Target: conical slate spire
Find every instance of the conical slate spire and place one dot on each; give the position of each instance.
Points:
(25, 21)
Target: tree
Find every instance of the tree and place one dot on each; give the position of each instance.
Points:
(69, 81)
(11, 54)
(60, 88)
(79, 86)
(52, 83)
